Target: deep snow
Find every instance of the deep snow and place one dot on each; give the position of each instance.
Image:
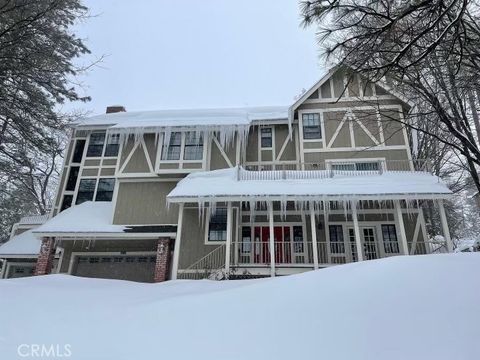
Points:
(418, 307)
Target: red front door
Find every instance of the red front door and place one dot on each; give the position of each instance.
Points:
(262, 244)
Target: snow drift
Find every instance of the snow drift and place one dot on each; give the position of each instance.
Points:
(421, 307)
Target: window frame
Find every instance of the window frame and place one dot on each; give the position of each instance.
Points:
(320, 126)
(381, 161)
(90, 144)
(180, 146)
(199, 145)
(207, 241)
(390, 242)
(108, 138)
(78, 190)
(98, 186)
(262, 130)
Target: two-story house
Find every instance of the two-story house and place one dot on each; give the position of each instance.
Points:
(246, 192)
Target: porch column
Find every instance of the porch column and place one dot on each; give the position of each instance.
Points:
(401, 226)
(176, 249)
(314, 236)
(272, 239)
(45, 257)
(4, 268)
(228, 243)
(356, 230)
(161, 264)
(445, 229)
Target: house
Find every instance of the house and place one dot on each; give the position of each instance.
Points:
(244, 192)
(18, 255)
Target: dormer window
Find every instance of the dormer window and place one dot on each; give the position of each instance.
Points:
(311, 126)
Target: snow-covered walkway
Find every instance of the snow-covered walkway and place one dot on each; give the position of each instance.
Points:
(419, 307)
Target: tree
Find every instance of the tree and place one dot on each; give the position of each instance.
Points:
(38, 53)
(428, 50)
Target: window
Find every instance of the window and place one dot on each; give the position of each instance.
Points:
(172, 152)
(113, 144)
(105, 190)
(337, 246)
(78, 151)
(72, 178)
(217, 228)
(266, 137)
(93, 260)
(298, 239)
(390, 241)
(311, 126)
(356, 166)
(86, 190)
(67, 202)
(193, 146)
(246, 246)
(95, 145)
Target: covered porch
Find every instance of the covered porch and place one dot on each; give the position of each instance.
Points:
(307, 226)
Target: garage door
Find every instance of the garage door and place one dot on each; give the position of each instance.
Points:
(17, 271)
(123, 267)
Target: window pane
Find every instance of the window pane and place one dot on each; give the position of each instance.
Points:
(95, 145)
(72, 178)
(311, 126)
(390, 241)
(367, 166)
(173, 150)
(113, 144)
(78, 151)
(67, 202)
(336, 239)
(86, 190)
(105, 190)
(193, 146)
(266, 137)
(217, 228)
(298, 239)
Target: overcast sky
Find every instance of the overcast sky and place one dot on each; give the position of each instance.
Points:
(194, 54)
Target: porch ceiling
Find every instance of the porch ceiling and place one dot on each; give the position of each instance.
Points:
(237, 184)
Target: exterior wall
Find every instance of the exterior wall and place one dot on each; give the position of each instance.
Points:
(144, 202)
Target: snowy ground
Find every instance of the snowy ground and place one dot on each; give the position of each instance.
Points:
(422, 307)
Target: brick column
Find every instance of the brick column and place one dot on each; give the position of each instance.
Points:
(45, 257)
(163, 257)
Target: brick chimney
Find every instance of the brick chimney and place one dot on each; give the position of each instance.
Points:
(115, 108)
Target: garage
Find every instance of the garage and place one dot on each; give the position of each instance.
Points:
(125, 267)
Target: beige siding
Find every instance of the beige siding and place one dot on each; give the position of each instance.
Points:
(144, 203)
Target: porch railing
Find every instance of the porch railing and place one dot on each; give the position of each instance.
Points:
(211, 266)
(326, 169)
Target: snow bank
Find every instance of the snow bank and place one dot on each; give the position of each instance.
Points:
(307, 184)
(25, 243)
(418, 307)
(88, 217)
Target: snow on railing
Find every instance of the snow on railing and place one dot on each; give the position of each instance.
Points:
(329, 169)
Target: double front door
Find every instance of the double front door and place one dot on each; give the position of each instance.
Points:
(289, 246)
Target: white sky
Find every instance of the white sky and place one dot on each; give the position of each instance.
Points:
(197, 53)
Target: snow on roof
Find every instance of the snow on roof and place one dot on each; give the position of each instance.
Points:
(187, 118)
(33, 219)
(394, 309)
(25, 243)
(306, 185)
(88, 217)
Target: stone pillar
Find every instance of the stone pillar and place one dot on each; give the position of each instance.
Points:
(163, 257)
(45, 257)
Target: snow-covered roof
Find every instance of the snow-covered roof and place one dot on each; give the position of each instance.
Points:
(33, 219)
(239, 184)
(88, 217)
(25, 243)
(187, 118)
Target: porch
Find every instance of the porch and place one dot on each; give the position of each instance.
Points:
(290, 221)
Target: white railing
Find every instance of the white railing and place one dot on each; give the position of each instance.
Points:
(327, 169)
(211, 266)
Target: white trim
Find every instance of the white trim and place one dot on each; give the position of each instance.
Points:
(178, 238)
(228, 243)
(16, 264)
(104, 235)
(356, 229)
(314, 236)
(222, 152)
(337, 130)
(444, 222)
(271, 239)
(401, 227)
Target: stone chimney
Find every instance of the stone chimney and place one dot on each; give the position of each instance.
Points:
(115, 108)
